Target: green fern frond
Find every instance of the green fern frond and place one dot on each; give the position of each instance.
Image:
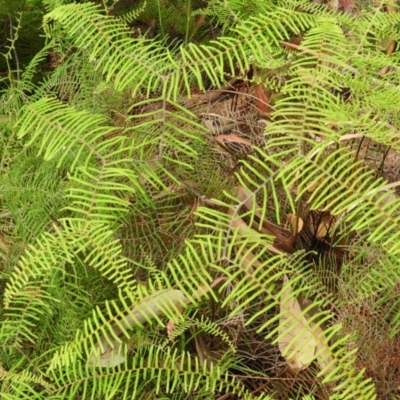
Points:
(62, 129)
(132, 15)
(146, 61)
(115, 171)
(167, 369)
(199, 325)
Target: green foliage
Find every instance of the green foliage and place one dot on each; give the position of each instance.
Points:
(113, 197)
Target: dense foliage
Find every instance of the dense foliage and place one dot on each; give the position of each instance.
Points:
(198, 200)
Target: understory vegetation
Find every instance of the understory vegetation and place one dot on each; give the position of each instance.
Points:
(199, 200)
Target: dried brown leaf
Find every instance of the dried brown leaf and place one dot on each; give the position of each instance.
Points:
(297, 342)
(326, 223)
(296, 222)
(262, 101)
(323, 353)
(233, 138)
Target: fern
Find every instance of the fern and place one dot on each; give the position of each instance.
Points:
(136, 264)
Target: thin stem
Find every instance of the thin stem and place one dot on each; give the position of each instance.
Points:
(13, 47)
(189, 6)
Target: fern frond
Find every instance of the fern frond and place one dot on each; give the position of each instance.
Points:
(146, 61)
(168, 370)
